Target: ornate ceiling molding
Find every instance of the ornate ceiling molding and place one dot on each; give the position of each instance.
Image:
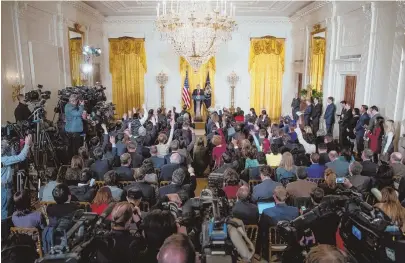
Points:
(129, 19)
(22, 6)
(262, 20)
(79, 5)
(308, 10)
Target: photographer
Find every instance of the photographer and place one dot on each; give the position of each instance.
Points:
(74, 123)
(7, 172)
(22, 112)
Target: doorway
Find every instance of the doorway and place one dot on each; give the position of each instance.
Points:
(299, 83)
(350, 89)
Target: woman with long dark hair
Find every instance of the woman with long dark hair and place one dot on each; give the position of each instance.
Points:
(375, 137)
(23, 216)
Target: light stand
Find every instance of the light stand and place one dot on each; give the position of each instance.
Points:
(162, 79)
(232, 80)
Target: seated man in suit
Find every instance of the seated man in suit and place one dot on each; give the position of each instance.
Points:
(264, 190)
(83, 192)
(323, 154)
(167, 170)
(315, 170)
(100, 165)
(397, 165)
(369, 167)
(158, 162)
(174, 147)
(243, 209)
(148, 191)
(280, 211)
(125, 172)
(302, 187)
(361, 182)
(341, 168)
(136, 158)
(177, 183)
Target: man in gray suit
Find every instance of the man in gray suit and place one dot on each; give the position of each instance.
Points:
(341, 168)
(374, 114)
(264, 190)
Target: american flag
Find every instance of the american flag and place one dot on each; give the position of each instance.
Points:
(186, 94)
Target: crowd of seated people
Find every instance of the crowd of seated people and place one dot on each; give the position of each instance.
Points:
(290, 170)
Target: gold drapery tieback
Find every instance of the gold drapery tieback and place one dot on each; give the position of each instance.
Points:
(266, 67)
(266, 45)
(76, 59)
(128, 68)
(317, 62)
(198, 77)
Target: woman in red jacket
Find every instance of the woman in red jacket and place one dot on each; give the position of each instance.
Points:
(375, 137)
(102, 200)
(220, 146)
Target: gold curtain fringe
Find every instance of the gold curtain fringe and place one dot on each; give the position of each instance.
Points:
(266, 45)
(76, 58)
(125, 45)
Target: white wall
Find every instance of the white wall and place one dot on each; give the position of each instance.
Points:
(35, 46)
(231, 56)
(375, 31)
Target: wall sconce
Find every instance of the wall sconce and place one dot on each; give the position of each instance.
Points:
(162, 79)
(232, 80)
(16, 91)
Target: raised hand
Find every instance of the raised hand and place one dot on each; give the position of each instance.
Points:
(28, 140)
(125, 116)
(112, 139)
(104, 126)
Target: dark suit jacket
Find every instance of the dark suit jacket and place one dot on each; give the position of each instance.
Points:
(137, 159)
(295, 104)
(148, 192)
(323, 158)
(345, 120)
(281, 212)
(308, 114)
(83, 193)
(316, 112)
(167, 170)
(330, 113)
(369, 168)
(372, 122)
(174, 188)
(99, 168)
(264, 190)
(125, 173)
(362, 183)
(247, 212)
(158, 162)
(364, 119)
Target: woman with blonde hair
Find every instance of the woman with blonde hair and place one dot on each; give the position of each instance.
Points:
(164, 143)
(387, 146)
(102, 200)
(72, 175)
(286, 169)
(329, 186)
(391, 206)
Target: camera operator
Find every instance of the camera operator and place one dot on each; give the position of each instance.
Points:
(22, 112)
(119, 245)
(74, 123)
(7, 172)
(177, 248)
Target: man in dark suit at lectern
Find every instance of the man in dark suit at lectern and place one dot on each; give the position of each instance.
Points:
(197, 92)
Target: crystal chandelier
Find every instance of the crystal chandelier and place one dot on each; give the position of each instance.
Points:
(195, 28)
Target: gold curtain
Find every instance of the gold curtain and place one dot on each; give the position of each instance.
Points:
(128, 68)
(266, 68)
(76, 59)
(198, 77)
(317, 62)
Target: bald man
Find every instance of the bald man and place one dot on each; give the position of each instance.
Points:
(243, 209)
(341, 168)
(177, 248)
(397, 165)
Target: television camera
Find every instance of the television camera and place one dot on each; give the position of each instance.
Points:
(368, 234)
(38, 96)
(90, 95)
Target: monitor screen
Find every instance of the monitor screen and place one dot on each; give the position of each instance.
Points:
(262, 206)
(356, 232)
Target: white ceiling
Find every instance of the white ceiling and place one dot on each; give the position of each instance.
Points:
(243, 8)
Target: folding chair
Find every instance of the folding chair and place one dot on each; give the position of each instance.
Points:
(164, 183)
(276, 244)
(33, 233)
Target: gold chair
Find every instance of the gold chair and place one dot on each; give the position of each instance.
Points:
(316, 180)
(252, 232)
(99, 184)
(276, 243)
(33, 233)
(164, 183)
(253, 183)
(122, 184)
